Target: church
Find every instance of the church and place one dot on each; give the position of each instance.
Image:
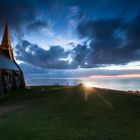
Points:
(11, 76)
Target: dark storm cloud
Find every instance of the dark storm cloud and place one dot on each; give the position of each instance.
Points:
(55, 57)
(133, 29)
(24, 12)
(112, 41)
(102, 29)
(109, 41)
(17, 12)
(20, 12)
(23, 15)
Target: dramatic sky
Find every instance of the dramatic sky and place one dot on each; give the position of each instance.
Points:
(74, 38)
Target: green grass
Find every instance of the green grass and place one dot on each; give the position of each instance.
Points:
(60, 113)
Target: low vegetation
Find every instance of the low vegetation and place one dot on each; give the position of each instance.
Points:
(61, 113)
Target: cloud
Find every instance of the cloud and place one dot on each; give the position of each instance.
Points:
(111, 41)
(37, 25)
(29, 69)
(54, 58)
(17, 12)
(35, 75)
(24, 15)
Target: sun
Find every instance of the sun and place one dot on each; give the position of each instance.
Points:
(88, 85)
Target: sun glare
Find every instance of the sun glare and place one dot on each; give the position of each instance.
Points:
(87, 84)
(88, 87)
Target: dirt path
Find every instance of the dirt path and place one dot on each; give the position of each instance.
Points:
(4, 109)
(10, 108)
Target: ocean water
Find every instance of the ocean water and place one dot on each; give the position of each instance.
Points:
(110, 83)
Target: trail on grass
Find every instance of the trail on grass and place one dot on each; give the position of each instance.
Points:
(10, 108)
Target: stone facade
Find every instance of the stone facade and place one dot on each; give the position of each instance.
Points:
(11, 76)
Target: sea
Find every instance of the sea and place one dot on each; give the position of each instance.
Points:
(126, 84)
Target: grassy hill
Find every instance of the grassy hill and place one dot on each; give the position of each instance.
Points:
(60, 113)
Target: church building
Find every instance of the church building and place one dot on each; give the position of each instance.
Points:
(11, 76)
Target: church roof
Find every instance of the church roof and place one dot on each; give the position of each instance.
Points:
(6, 63)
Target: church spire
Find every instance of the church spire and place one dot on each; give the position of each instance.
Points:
(6, 42)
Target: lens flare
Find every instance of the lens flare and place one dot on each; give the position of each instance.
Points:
(88, 85)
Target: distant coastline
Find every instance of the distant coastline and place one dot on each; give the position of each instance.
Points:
(122, 92)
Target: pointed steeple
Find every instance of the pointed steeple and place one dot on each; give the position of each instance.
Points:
(6, 42)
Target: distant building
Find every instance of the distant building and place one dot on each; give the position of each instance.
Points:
(11, 76)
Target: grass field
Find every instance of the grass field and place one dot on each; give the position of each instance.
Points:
(60, 113)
